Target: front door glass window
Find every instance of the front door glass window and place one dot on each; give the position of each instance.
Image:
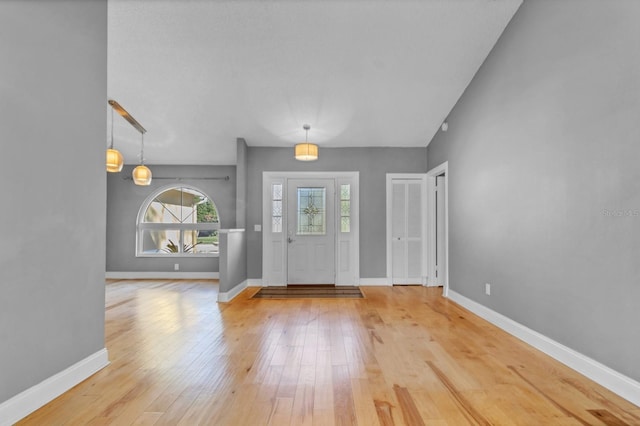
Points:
(311, 211)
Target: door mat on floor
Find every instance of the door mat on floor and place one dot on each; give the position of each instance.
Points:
(309, 292)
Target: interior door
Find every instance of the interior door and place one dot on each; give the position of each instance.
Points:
(440, 258)
(407, 231)
(310, 231)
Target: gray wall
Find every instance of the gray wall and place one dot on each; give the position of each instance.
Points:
(241, 183)
(52, 219)
(124, 200)
(543, 152)
(373, 165)
(233, 260)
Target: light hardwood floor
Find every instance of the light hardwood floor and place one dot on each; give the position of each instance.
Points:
(402, 355)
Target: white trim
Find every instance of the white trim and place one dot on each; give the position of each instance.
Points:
(125, 275)
(141, 225)
(214, 255)
(227, 296)
(375, 282)
(353, 236)
(422, 177)
(309, 175)
(620, 384)
(279, 278)
(36, 396)
(254, 282)
(181, 226)
(431, 225)
(276, 240)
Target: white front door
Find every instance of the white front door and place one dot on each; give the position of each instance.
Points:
(310, 231)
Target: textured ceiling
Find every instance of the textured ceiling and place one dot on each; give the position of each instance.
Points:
(199, 74)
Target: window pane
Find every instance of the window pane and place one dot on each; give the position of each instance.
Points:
(276, 224)
(189, 200)
(345, 192)
(345, 224)
(311, 211)
(277, 191)
(206, 242)
(277, 208)
(345, 208)
(167, 207)
(181, 205)
(162, 213)
(206, 211)
(160, 241)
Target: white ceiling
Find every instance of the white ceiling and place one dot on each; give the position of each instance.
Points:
(198, 74)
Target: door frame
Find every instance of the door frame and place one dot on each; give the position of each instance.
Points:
(431, 221)
(413, 176)
(274, 245)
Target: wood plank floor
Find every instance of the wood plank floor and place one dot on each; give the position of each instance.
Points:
(400, 356)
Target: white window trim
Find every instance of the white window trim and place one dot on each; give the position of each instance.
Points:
(141, 226)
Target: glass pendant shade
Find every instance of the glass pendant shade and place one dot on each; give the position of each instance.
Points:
(141, 175)
(306, 151)
(114, 160)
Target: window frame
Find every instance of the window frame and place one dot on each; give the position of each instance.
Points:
(142, 226)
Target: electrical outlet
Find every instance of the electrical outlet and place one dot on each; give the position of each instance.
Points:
(257, 228)
(176, 266)
(487, 289)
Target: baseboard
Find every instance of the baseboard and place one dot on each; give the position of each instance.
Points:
(254, 282)
(36, 396)
(620, 384)
(374, 282)
(148, 275)
(229, 295)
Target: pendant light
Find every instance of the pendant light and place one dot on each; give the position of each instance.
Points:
(306, 151)
(114, 157)
(141, 174)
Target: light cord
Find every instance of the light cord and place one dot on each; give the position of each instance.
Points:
(142, 149)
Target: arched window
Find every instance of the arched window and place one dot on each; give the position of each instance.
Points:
(178, 221)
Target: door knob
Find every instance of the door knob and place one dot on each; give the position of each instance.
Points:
(290, 240)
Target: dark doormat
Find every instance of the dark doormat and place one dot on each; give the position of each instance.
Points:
(309, 292)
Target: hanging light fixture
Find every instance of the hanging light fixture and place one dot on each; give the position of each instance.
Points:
(306, 151)
(141, 174)
(114, 157)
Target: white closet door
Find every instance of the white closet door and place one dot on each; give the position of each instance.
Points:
(414, 232)
(407, 231)
(399, 232)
